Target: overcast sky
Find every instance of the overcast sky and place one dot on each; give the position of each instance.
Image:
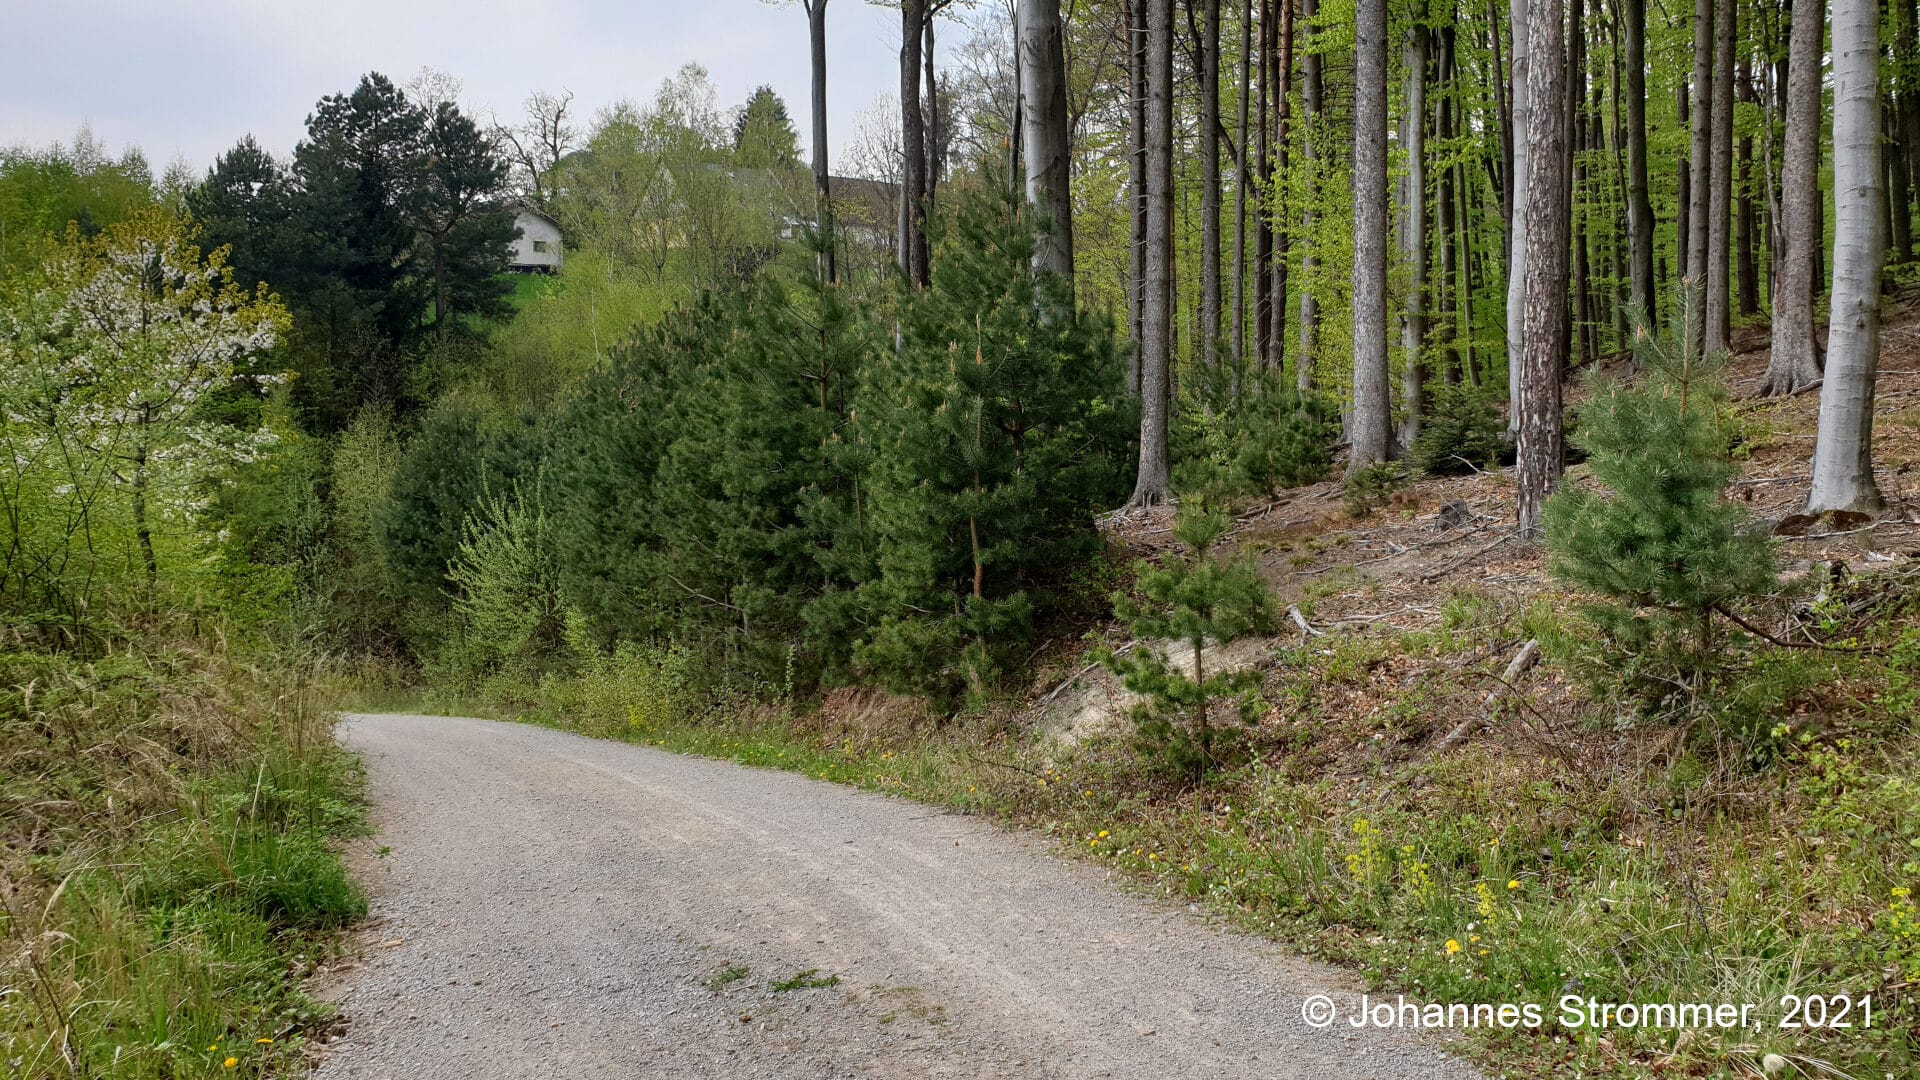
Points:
(188, 78)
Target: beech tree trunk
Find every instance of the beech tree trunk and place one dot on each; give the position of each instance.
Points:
(1541, 454)
(1639, 200)
(1239, 316)
(1716, 318)
(1843, 450)
(1279, 68)
(1795, 359)
(1043, 118)
(1208, 56)
(1372, 403)
(823, 194)
(1312, 90)
(1700, 158)
(1517, 253)
(1134, 15)
(1413, 236)
(1152, 487)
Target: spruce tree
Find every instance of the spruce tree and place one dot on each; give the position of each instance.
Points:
(1659, 541)
(1204, 598)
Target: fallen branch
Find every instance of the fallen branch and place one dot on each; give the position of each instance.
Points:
(1522, 660)
(1757, 632)
(1435, 575)
(1299, 620)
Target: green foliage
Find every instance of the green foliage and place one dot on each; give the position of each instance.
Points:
(385, 223)
(989, 441)
(508, 574)
(1659, 541)
(457, 456)
(1460, 433)
(763, 135)
(1206, 598)
(1248, 433)
(1368, 489)
(42, 191)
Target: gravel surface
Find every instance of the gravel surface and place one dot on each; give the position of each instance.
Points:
(554, 906)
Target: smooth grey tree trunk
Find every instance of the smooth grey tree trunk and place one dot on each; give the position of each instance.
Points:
(1133, 14)
(1541, 453)
(1639, 199)
(1240, 175)
(1208, 314)
(1372, 403)
(1043, 116)
(1716, 315)
(1413, 236)
(1843, 450)
(1312, 105)
(1517, 254)
(1153, 485)
(1700, 156)
(1795, 360)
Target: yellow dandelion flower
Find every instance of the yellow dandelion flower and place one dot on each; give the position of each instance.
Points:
(263, 1042)
(230, 1063)
(212, 1048)
(1452, 946)
(1475, 938)
(1103, 834)
(1087, 793)
(1513, 883)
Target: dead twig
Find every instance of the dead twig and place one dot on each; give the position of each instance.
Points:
(1522, 660)
(1299, 620)
(1757, 632)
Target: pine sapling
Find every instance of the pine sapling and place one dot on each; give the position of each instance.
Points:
(1204, 598)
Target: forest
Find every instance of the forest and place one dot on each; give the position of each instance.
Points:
(1392, 474)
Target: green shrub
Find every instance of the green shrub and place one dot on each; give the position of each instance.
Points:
(1249, 433)
(1205, 598)
(1657, 538)
(1461, 432)
(1368, 489)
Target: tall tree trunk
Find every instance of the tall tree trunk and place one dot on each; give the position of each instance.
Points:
(1447, 287)
(1265, 206)
(1238, 318)
(1372, 403)
(1208, 310)
(1843, 450)
(1517, 253)
(1576, 107)
(1683, 182)
(935, 129)
(1043, 114)
(1312, 90)
(1279, 66)
(1639, 199)
(1700, 157)
(822, 190)
(1133, 13)
(1413, 235)
(1717, 315)
(1541, 454)
(1795, 360)
(1745, 221)
(1152, 487)
(913, 254)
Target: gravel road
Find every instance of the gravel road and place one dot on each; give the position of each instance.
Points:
(554, 906)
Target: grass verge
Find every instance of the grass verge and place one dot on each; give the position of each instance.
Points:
(168, 875)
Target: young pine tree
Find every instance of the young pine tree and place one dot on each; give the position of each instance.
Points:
(1659, 541)
(1206, 598)
(989, 440)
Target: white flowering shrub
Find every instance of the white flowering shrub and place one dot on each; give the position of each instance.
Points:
(120, 357)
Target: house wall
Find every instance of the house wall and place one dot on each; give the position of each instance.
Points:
(535, 232)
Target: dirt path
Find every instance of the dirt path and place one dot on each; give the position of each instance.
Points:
(562, 907)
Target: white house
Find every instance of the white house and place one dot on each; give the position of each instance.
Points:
(537, 250)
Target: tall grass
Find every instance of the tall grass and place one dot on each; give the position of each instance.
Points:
(167, 878)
